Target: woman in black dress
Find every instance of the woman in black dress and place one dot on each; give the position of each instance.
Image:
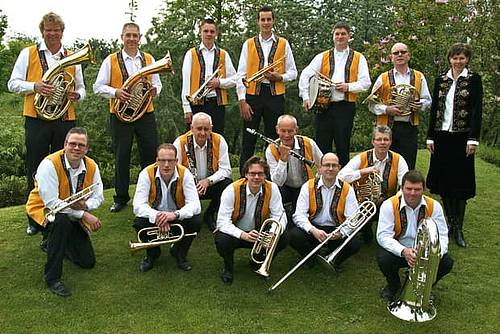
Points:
(453, 136)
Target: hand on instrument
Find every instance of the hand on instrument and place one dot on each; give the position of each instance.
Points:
(245, 110)
(273, 76)
(284, 153)
(470, 149)
(80, 205)
(202, 186)
(410, 255)
(213, 84)
(73, 96)
(342, 87)
(393, 110)
(369, 170)
(417, 104)
(320, 235)
(94, 222)
(122, 95)
(43, 88)
(430, 147)
(188, 117)
(152, 92)
(307, 105)
(250, 236)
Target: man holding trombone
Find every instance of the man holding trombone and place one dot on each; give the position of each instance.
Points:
(67, 186)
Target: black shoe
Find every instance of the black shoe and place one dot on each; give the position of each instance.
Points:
(44, 245)
(226, 276)
(208, 218)
(389, 293)
(459, 238)
(184, 265)
(146, 265)
(338, 268)
(117, 207)
(59, 289)
(32, 230)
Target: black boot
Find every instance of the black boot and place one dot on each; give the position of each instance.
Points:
(459, 223)
(448, 210)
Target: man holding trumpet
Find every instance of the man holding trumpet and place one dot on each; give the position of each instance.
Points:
(59, 176)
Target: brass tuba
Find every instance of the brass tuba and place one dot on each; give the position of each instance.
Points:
(259, 75)
(368, 187)
(264, 247)
(140, 88)
(54, 106)
(198, 97)
(158, 237)
(414, 303)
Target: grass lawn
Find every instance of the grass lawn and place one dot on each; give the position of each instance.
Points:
(115, 297)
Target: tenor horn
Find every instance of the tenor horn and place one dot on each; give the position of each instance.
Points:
(157, 238)
(259, 75)
(265, 245)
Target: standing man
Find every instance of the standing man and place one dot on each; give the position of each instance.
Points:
(264, 99)
(206, 155)
(115, 69)
(166, 194)
(42, 136)
(404, 128)
(199, 65)
(323, 205)
(348, 70)
(60, 175)
(398, 221)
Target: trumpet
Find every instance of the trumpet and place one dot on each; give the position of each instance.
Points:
(198, 97)
(265, 245)
(268, 140)
(355, 222)
(159, 238)
(259, 75)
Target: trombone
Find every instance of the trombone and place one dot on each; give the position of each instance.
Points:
(198, 97)
(159, 238)
(259, 75)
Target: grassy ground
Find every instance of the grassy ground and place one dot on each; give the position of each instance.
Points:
(115, 297)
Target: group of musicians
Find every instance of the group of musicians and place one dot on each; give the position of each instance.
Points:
(307, 207)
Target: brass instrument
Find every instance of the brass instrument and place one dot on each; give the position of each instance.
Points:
(403, 95)
(140, 89)
(198, 97)
(368, 187)
(259, 75)
(414, 303)
(265, 245)
(191, 165)
(55, 105)
(355, 222)
(268, 140)
(159, 237)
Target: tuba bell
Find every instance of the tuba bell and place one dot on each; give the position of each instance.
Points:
(414, 303)
(55, 105)
(157, 238)
(265, 245)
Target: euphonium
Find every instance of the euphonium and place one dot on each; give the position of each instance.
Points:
(368, 187)
(159, 238)
(54, 106)
(140, 89)
(259, 75)
(414, 303)
(198, 97)
(263, 249)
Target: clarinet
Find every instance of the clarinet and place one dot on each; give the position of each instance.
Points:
(191, 165)
(268, 140)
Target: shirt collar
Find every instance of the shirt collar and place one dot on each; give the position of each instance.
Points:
(43, 47)
(198, 146)
(250, 193)
(81, 167)
(464, 73)
(174, 177)
(126, 55)
(407, 72)
(403, 203)
(335, 52)
(202, 46)
(321, 183)
(273, 37)
(383, 160)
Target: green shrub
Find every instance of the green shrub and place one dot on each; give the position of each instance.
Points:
(12, 190)
(489, 154)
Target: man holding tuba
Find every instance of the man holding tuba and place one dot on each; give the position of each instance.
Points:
(62, 174)
(44, 136)
(114, 71)
(166, 194)
(398, 221)
(403, 123)
(245, 205)
(261, 85)
(199, 69)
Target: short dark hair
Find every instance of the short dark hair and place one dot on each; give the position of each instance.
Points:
(131, 24)
(413, 176)
(51, 17)
(208, 21)
(265, 9)
(382, 129)
(255, 160)
(77, 130)
(341, 25)
(167, 146)
(460, 48)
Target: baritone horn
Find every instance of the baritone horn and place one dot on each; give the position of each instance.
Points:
(157, 238)
(55, 105)
(259, 75)
(140, 88)
(198, 97)
(265, 245)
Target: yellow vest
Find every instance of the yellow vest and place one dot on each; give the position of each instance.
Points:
(351, 73)
(307, 154)
(396, 201)
(393, 174)
(196, 70)
(187, 138)
(313, 201)
(178, 190)
(239, 188)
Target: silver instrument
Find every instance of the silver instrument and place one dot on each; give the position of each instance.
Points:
(159, 237)
(320, 90)
(265, 245)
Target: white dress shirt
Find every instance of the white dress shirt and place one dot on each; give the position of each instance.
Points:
(247, 222)
(293, 175)
(385, 229)
(141, 204)
(290, 69)
(200, 153)
(132, 64)
(361, 85)
(208, 56)
(17, 82)
(324, 217)
(48, 187)
(402, 78)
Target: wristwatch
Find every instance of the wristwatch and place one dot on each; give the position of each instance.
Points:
(177, 214)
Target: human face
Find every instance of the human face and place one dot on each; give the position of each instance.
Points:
(341, 38)
(201, 129)
(256, 177)
(458, 63)
(412, 193)
(208, 34)
(131, 38)
(52, 35)
(286, 130)
(75, 147)
(166, 160)
(329, 167)
(400, 54)
(265, 23)
(381, 143)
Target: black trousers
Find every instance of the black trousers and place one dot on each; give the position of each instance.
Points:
(66, 238)
(214, 193)
(289, 195)
(404, 142)
(304, 243)
(389, 264)
(215, 111)
(266, 106)
(226, 245)
(122, 134)
(190, 225)
(335, 124)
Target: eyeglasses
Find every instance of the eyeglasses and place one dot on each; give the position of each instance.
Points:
(166, 161)
(74, 145)
(253, 174)
(401, 52)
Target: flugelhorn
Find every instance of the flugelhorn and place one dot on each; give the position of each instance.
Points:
(159, 238)
(259, 75)
(55, 105)
(198, 97)
(140, 89)
(355, 222)
(265, 245)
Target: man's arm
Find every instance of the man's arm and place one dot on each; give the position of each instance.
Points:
(425, 95)
(102, 83)
(290, 68)
(192, 204)
(224, 170)
(242, 72)
(438, 216)
(276, 207)
(306, 74)
(402, 169)
(385, 230)
(141, 198)
(363, 83)
(17, 82)
(351, 172)
(277, 168)
(224, 222)
(231, 77)
(186, 82)
(155, 81)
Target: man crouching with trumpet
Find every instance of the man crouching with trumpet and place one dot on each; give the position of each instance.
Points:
(166, 194)
(246, 205)
(61, 181)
